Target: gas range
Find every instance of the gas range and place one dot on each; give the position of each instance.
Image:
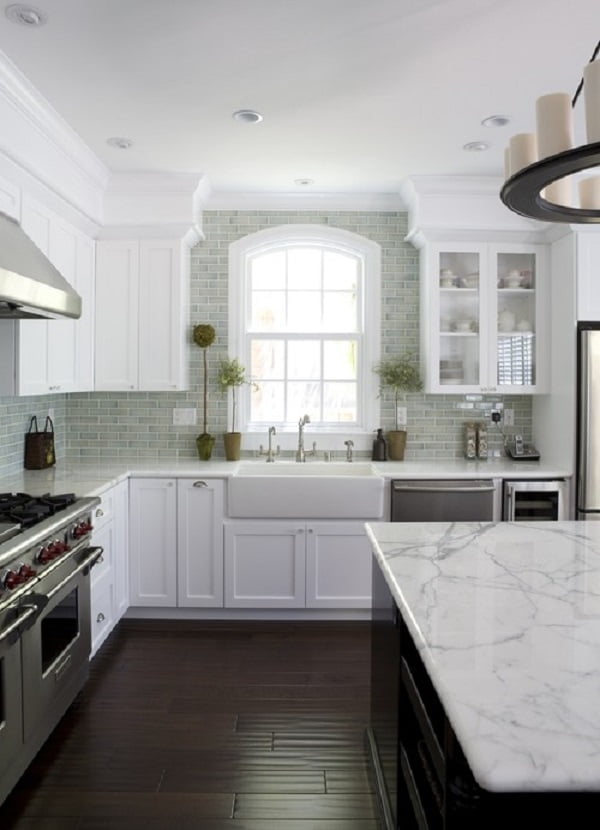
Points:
(37, 534)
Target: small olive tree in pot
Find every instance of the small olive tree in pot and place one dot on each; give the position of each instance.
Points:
(203, 336)
(401, 375)
(232, 375)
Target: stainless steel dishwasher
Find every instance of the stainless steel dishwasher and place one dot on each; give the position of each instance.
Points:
(450, 500)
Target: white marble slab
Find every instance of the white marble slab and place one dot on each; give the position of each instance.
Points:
(507, 620)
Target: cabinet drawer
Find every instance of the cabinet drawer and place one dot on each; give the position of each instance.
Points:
(101, 611)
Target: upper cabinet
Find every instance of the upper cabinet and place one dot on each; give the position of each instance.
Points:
(52, 356)
(141, 303)
(484, 318)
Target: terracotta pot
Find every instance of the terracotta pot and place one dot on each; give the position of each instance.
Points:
(233, 442)
(396, 444)
(205, 444)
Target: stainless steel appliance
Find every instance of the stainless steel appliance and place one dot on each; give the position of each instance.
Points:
(45, 561)
(527, 501)
(588, 421)
(452, 500)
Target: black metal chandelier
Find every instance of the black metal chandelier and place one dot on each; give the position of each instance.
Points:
(538, 166)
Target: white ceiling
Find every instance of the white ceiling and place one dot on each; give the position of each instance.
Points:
(356, 94)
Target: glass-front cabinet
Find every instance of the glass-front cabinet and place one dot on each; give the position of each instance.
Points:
(483, 318)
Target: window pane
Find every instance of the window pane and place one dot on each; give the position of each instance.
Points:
(339, 359)
(340, 271)
(303, 398)
(266, 402)
(267, 359)
(304, 311)
(268, 310)
(339, 311)
(304, 268)
(304, 360)
(268, 270)
(339, 402)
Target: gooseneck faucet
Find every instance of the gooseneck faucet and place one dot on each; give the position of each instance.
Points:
(270, 454)
(300, 452)
(349, 450)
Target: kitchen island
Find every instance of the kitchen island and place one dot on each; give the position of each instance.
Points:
(486, 672)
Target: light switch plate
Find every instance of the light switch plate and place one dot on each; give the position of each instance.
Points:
(401, 416)
(184, 417)
(509, 417)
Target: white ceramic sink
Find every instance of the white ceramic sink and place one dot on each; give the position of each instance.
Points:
(306, 491)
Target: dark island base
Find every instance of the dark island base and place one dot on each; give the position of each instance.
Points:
(422, 777)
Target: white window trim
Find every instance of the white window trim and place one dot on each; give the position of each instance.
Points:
(346, 241)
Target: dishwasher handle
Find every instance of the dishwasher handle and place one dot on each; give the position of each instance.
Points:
(472, 487)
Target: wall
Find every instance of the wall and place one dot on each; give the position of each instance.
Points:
(15, 415)
(95, 425)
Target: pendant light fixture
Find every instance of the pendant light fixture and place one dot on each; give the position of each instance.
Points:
(540, 166)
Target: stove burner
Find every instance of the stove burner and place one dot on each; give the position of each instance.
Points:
(29, 510)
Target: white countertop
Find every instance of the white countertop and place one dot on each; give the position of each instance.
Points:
(88, 478)
(506, 618)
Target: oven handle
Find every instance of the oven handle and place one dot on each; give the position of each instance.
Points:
(30, 610)
(87, 563)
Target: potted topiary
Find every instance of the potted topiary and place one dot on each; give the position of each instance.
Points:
(401, 375)
(231, 375)
(204, 336)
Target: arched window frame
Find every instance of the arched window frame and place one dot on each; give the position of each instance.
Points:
(369, 255)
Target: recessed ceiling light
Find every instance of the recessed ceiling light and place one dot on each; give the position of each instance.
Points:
(496, 121)
(119, 142)
(247, 116)
(25, 15)
(476, 146)
(304, 182)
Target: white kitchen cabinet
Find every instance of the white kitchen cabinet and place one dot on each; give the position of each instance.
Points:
(484, 318)
(153, 542)
(338, 565)
(297, 564)
(53, 356)
(200, 542)
(265, 564)
(109, 578)
(141, 301)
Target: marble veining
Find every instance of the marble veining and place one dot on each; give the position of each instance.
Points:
(507, 620)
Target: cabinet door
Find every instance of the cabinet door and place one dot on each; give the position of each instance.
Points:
(519, 305)
(338, 565)
(32, 368)
(264, 564)
(200, 543)
(161, 309)
(102, 603)
(453, 315)
(117, 284)
(62, 334)
(121, 549)
(85, 326)
(153, 542)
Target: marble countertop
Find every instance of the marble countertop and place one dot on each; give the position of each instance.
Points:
(91, 478)
(506, 618)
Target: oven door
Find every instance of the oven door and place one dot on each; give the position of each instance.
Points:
(56, 649)
(11, 719)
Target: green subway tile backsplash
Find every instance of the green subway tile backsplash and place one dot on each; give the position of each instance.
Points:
(94, 425)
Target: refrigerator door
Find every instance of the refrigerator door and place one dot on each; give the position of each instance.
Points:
(588, 467)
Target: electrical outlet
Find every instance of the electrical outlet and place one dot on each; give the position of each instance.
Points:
(401, 416)
(184, 417)
(509, 417)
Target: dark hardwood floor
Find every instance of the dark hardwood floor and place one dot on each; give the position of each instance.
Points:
(210, 726)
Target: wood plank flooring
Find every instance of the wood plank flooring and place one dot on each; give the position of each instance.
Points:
(210, 726)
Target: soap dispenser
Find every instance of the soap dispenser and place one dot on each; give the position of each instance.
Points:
(379, 447)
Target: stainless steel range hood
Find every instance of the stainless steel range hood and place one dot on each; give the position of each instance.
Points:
(30, 286)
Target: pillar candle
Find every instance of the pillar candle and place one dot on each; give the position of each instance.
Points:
(589, 193)
(591, 93)
(554, 119)
(523, 151)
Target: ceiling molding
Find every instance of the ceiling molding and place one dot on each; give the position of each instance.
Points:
(309, 201)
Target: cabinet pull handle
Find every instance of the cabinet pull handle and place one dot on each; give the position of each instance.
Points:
(200, 484)
(100, 618)
(99, 512)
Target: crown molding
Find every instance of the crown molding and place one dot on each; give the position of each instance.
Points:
(35, 137)
(309, 201)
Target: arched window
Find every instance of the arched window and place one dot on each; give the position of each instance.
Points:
(305, 322)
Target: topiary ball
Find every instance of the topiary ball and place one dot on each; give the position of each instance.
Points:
(204, 335)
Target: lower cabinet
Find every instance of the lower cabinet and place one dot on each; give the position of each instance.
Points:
(291, 564)
(109, 578)
(176, 542)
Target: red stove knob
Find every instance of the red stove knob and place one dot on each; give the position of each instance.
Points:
(11, 579)
(43, 555)
(27, 572)
(81, 529)
(57, 548)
